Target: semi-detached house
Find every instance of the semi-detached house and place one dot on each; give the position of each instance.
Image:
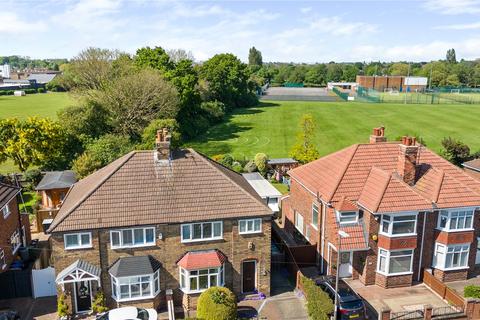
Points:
(389, 210)
(157, 221)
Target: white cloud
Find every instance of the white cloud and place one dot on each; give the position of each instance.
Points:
(453, 7)
(466, 26)
(306, 10)
(338, 27)
(12, 24)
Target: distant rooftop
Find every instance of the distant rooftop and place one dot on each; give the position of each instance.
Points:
(261, 185)
(281, 161)
(472, 165)
(42, 77)
(57, 180)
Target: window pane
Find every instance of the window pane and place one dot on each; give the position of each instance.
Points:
(186, 232)
(182, 280)
(243, 225)
(124, 293)
(138, 236)
(197, 231)
(403, 227)
(315, 215)
(85, 239)
(258, 223)
(404, 218)
(463, 259)
(468, 221)
(146, 289)
(150, 235)
(213, 280)
(127, 237)
(71, 240)
(453, 223)
(157, 283)
(443, 220)
(115, 238)
(250, 225)
(385, 225)
(204, 271)
(400, 264)
(382, 263)
(217, 229)
(203, 281)
(193, 283)
(135, 290)
(207, 230)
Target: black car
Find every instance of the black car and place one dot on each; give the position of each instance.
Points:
(351, 306)
(8, 314)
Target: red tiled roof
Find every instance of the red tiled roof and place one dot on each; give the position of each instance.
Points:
(346, 205)
(349, 173)
(356, 239)
(202, 259)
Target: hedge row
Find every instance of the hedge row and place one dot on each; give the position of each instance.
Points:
(472, 291)
(27, 91)
(319, 304)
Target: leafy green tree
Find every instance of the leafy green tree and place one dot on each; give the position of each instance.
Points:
(30, 142)
(451, 56)
(399, 69)
(334, 72)
(349, 73)
(254, 57)
(452, 80)
(217, 303)
(226, 79)
(261, 162)
(455, 151)
(304, 150)
(156, 58)
(316, 74)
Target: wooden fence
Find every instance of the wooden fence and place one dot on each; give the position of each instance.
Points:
(443, 291)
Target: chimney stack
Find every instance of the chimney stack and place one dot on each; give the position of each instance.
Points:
(407, 159)
(378, 135)
(162, 145)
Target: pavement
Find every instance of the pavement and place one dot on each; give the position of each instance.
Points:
(397, 299)
(460, 285)
(36, 309)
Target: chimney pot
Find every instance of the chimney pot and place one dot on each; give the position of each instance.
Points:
(407, 159)
(162, 144)
(378, 135)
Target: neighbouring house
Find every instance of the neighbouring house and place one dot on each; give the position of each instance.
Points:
(43, 78)
(472, 167)
(264, 189)
(52, 188)
(390, 209)
(14, 226)
(280, 167)
(158, 221)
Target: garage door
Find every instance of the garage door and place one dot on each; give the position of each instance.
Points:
(44, 282)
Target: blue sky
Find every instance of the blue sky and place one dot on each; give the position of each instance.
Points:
(310, 31)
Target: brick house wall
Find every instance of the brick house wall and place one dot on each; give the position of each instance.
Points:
(14, 221)
(168, 251)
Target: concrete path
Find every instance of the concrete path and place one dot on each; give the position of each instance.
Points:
(284, 306)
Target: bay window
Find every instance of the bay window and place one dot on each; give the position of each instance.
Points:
(192, 281)
(136, 287)
(78, 240)
(394, 262)
(399, 224)
(451, 256)
(455, 220)
(134, 237)
(202, 231)
(250, 226)
(299, 222)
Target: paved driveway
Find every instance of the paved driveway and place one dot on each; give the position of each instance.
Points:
(37, 309)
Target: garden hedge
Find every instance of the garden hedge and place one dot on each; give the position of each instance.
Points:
(217, 303)
(319, 304)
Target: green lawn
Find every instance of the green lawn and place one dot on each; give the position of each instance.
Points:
(272, 127)
(40, 104)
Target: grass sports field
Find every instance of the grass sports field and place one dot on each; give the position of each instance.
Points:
(272, 127)
(40, 104)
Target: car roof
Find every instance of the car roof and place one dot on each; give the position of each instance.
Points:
(123, 313)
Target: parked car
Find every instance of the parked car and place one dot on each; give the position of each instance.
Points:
(351, 306)
(129, 313)
(8, 314)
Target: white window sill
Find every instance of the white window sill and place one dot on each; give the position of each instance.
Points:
(454, 230)
(398, 235)
(250, 232)
(136, 298)
(195, 291)
(394, 274)
(452, 269)
(314, 227)
(79, 248)
(201, 240)
(133, 246)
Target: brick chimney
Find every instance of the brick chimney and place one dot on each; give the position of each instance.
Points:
(407, 159)
(162, 145)
(378, 135)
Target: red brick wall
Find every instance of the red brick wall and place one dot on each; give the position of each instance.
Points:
(451, 275)
(393, 281)
(368, 272)
(397, 243)
(454, 237)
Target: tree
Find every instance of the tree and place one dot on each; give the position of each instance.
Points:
(261, 162)
(334, 72)
(177, 55)
(254, 57)
(62, 307)
(34, 141)
(451, 56)
(156, 58)
(455, 151)
(316, 74)
(304, 150)
(99, 303)
(349, 73)
(399, 69)
(226, 80)
(217, 303)
(135, 100)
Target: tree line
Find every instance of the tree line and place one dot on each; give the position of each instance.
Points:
(21, 63)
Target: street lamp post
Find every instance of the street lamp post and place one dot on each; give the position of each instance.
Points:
(341, 235)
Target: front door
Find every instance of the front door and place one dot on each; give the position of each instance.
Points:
(345, 268)
(248, 275)
(83, 296)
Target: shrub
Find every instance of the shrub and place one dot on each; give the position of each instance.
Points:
(319, 304)
(227, 161)
(41, 90)
(99, 304)
(237, 166)
(261, 162)
(215, 110)
(472, 291)
(62, 307)
(217, 303)
(250, 167)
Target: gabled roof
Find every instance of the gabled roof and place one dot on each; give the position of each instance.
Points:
(57, 180)
(135, 190)
(367, 173)
(7, 193)
(202, 259)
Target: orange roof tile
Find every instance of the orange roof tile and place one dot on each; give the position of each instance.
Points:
(202, 259)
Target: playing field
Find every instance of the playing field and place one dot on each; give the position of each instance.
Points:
(40, 104)
(272, 127)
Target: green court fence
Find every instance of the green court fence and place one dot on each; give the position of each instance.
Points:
(293, 84)
(342, 95)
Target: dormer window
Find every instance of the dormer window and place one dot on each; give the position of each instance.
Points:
(347, 217)
(455, 220)
(399, 224)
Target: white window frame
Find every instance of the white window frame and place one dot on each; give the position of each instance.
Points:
(252, 223)
(3, 261)
(6, 210)
(79, 238)
(387, 254)
(185, 276)
(440, 255)
(314, 222)
(121, 245)
(15, 241)
(449, 213)
(299, 226)
(339, 217)
(202, 238)
(391, 221)
(154, 281)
